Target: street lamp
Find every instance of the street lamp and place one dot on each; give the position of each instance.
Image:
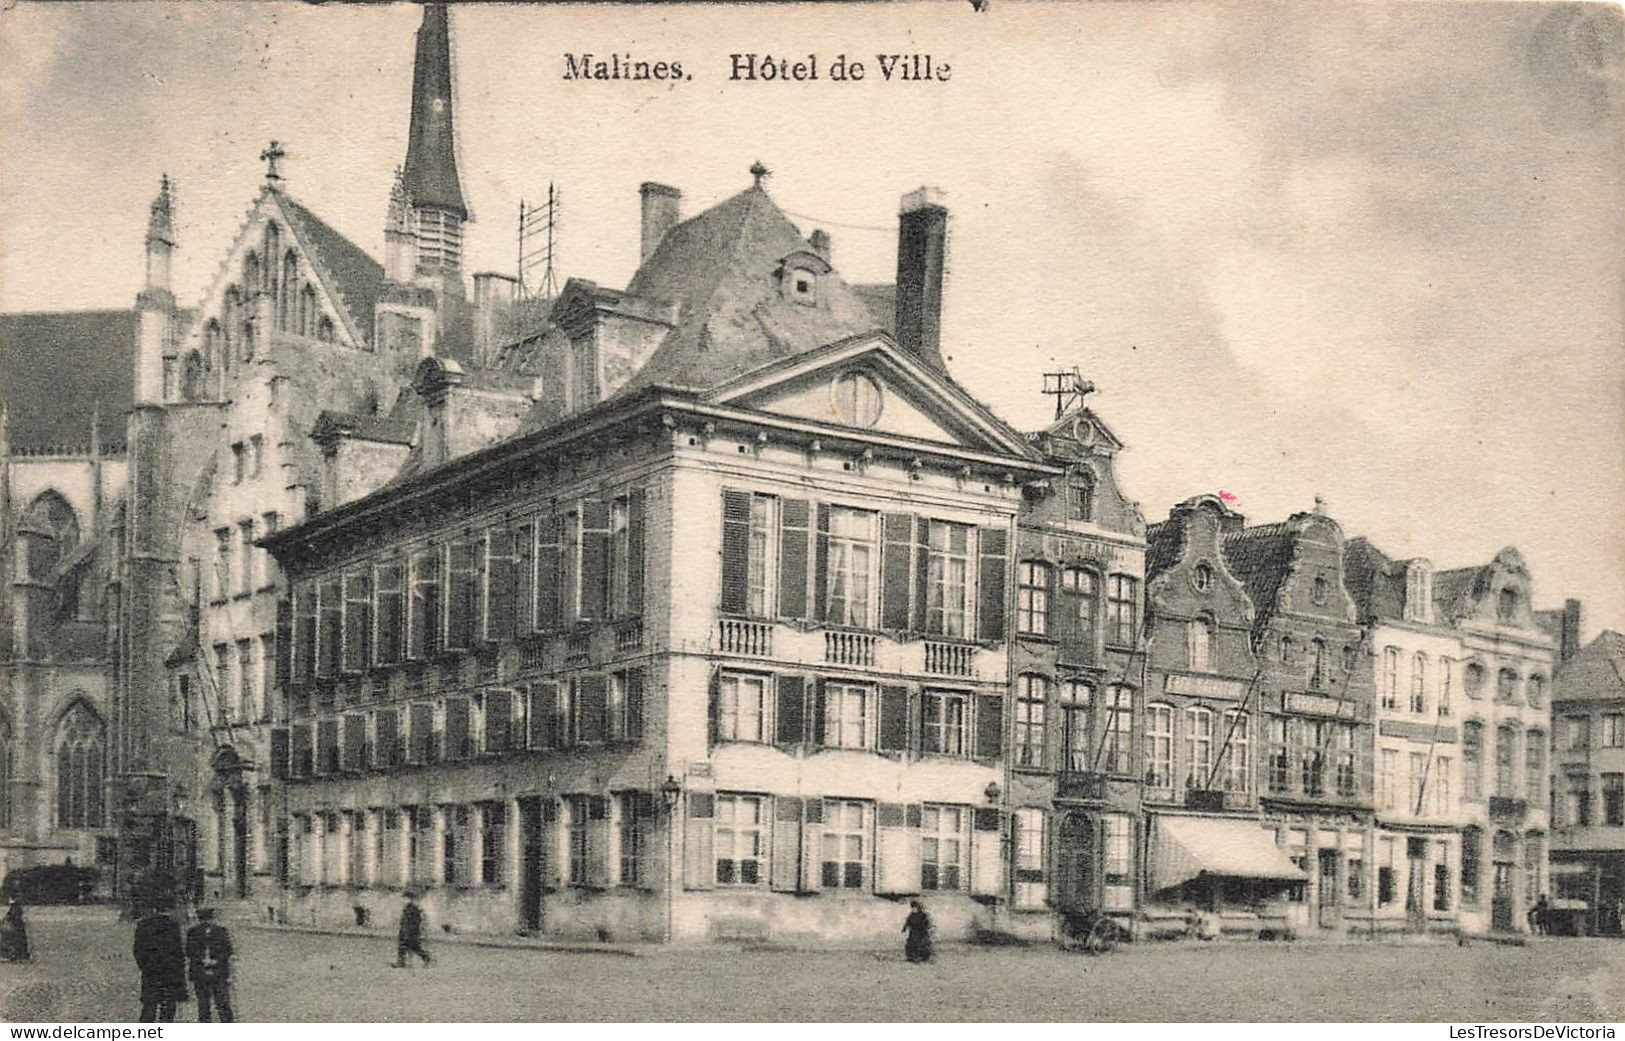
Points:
(672, 792)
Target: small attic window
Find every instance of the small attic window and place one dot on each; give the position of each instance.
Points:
(799, 274)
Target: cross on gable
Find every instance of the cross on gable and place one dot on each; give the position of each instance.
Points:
(271, 156)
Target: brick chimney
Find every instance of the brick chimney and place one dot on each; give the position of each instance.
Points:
(922, 246)
(821, 245)
(660, 207)
(494, 298)
(1568, 631)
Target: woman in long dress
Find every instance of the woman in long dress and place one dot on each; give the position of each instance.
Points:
(14, 934)
(917, 945)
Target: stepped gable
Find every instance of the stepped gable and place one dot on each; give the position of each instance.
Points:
(57, 368)
(721, 270)
(350, 272)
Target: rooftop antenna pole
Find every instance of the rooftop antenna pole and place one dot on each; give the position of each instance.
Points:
(1068, 389)
(539, 222)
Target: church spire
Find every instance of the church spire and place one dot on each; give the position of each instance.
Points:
(431, 152)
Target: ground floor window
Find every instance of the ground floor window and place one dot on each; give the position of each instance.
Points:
(844, 844)
(942, 847)
(1441, 876)
(739, 840)
(1029, 828)
(1472, 851)
(493, 835)
(636, 824)
(1117, 862)
(1387, 885)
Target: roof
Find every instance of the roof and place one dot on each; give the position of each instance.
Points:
(57, 369)
(1453, 588)
(721, 270)
(350, 271)
(430, 174)
(1164, 544)
(364, 427)
(1375, 582)
(1259, 557)
(881, 300)
(1596, 672)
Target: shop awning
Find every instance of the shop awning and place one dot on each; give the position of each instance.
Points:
(1184, 848)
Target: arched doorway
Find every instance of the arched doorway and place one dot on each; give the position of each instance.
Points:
(231, 820)
(1504, 885)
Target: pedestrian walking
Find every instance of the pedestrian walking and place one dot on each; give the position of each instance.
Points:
(1541, 916)
(917, 944)
(162, 961)
(208, 963)
(14, 933)
(410, 938)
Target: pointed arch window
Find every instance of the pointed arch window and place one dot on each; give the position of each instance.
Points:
(213, 343)
(253, 274)
(79, 769)
(192, 377)
(307, 310)
(287, 299)
(50, 514)
(324, 330)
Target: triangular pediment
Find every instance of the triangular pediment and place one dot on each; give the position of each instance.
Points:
(869, 384)
(1081, 431)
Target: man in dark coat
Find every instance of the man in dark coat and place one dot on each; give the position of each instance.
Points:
(208, 963)
(14, 933)
(410, 937)
(162, 961)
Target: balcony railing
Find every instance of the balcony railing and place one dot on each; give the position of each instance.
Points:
(737, 636)
(578, 647)
(1505, 809)
(949, 659)
(844, 648)
(629, 635)
(1082, 786)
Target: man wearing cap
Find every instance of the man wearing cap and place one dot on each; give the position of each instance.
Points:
(208, 962)
(159, 956)
(410, 938)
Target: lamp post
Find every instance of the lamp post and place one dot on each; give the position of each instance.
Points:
(672, 792)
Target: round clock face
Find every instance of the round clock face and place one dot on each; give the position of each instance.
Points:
(856, 398)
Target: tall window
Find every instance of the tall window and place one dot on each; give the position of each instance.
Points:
(1198, 747)
(1439, 781)
(1238, 763)
(1446, 679)
(942, 847)
(244, 708)
(1472, 760)
(1472, 854)
(1613, 730)
(851, 567)
(1083, 596)
(1317, 663)
(1506, 610)
(637, 821)
(1387, 767)
(620, 557)
(1613, 799)
(1534, 765)
(1159, 746)
(1116, 753)
(423, 638)
(1506, 761)
(1280, 755)
(943, 722)
(493, 841)
(1122, 610)
(1200, 639)
(762, 559)
(79, 758)
(1032, 598)
(1536, 688)
(222, 564)
(1419, 677)
(1577, 800)
(1081, 497)
(848, 710)
(1311, 756)
(1506, 685)
(1577, 733)
(1029, 828)
(1029, 736)
(1419, 781)
(742, 707)
(1472, 680)
(1076, 696)
(844, 844)
(948, 573)
(1390, 677)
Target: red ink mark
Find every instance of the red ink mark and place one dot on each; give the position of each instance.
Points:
(1225, 496)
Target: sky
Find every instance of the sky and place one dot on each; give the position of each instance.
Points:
(1370, 252)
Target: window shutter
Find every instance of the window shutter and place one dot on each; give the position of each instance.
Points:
(357, 620)
(785, 876)
(542, 698)
(894, 570)
(304, 633)
(820, 705)
(548, 845)
(327, 746)
(597, 841)
(593, 709)
(498, 583)
(987, 853)
(634, 705)
(989, 726)
(523, 537)
(355, 742)
(793, 536)
(1063, 623)
(735, 551)
(284, 636)
(385, 737)
(458, 745)
(812, 833)
(594, 559)
(498, 720)
(897, 851)
(922, 573)
(279, 753)
(389, 619)
(713, 710)
(549, 573)
(821, 566)
(893, 719)
(634, 551)
(699, 868)
(299, 762)
(990, 609)
(792, 708)
(421, 736)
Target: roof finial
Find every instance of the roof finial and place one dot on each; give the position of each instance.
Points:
(759, 172)
(1320, 505)
(161, 215)
(271, 156)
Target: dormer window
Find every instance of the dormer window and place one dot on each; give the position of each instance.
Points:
(1507, 607)
(1418, 591)
(799, 275)
(1081, 497)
